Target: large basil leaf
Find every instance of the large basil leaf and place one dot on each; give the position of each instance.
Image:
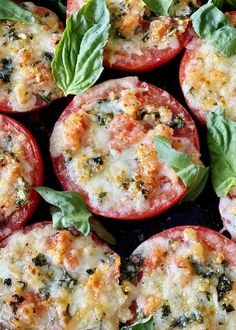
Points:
(11, 11)
(69, 210)
(77, 63)
(194, 176)
(222, 146)
(141, 324)
(211, 24)
(161, 7)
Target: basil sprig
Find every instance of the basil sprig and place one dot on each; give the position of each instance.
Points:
(11, 11)
(211, 24)
(222, 146)
(77, 63)
(160, 7)
(141, 324)
(68, 209)
(194, 176)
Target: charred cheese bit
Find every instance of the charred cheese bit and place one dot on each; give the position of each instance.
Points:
(25, 60)
(183, 282)
(107, 147)
(78, 295)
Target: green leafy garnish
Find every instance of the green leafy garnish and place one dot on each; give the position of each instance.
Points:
(59, 5)
(141, 324)
(77, 63)
(222, 146)
(211, 24)
(160, 7)
(11, 11)
(194, 176)
(69, 210)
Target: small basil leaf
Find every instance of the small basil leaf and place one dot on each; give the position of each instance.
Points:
(161, 7)
(68, 210)
(222, 146)
(11, 11)
(141, 324)
(211, 24)
(194, 176)
(77, 63)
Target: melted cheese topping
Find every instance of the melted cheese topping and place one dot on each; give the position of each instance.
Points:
(15, 171)
(108, 148)
(134, 28)
(26, 52)
(210, 80)
(185, 284)
(53, 280)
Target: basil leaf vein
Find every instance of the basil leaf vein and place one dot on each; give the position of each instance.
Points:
(141, 324)
(194, 176)
(11, 11)
(222, 147)
(77, 63)
(160, 7)
(211, 24)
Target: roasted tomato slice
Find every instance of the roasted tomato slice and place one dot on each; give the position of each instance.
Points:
(186, 278)
(140, 40)
(26, 82)
(21, 169)
(51, 274)
(207, 78)
(103, 147)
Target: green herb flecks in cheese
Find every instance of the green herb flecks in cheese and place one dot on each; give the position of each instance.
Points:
(108, 150)
(184, 283)
(135, 27)
(15, 174)
(25, 60)
(51, 279)
(209, 79)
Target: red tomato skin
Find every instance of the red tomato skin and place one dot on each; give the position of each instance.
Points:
(188, 56)
(22, 215)
(60, 167)
(213, 239)
(150, 58)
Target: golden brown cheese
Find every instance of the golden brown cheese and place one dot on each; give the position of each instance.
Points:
(51, 279)
(26, 52)
(184, 283)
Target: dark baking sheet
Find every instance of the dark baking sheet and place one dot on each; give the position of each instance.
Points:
(129, 234)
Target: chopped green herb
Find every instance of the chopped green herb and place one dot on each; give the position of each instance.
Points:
(40, 260)
(7, 282)
(224, 286)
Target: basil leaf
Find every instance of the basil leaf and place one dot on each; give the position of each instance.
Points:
(77, 63)
(218, 3)
(194, 176)
(68, 210)
(11, 11)
(211, 24)
(141, 324)
(231, 3)
(161, 7)
(222, 146)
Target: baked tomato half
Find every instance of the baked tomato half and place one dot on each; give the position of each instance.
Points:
(103, 147)
(26, 81)
(60, 281)
(185, 277)
(20, 171)
(207, 78)
(140, 40)
(227, 208)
